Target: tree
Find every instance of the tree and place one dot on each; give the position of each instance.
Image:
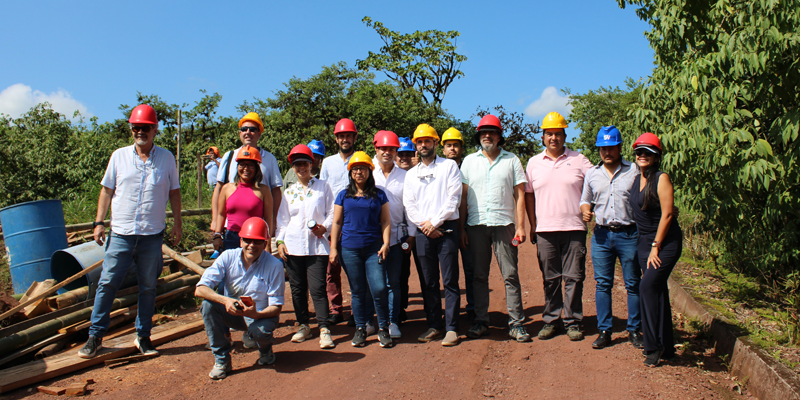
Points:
(522, 138)
(426, 61)
(604, 107)
(724, 99)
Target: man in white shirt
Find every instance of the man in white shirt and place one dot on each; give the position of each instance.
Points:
(391, 179)
(250, 130)
(431, 195)
(334, 171)
(138, 182)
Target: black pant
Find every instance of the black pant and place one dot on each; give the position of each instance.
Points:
(433, 255)
(307, 273)
(405, 275)
(654, 294)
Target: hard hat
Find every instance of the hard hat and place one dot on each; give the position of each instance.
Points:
(317, 147)
(360, 158)
(143, 114)
(648, 140)
(252, 117)
(452, 134)
(344, 125)
(386, 139)
(249, 153)
(301, 152)
(489, 121)
(608, 136)
(425, 130)
(406, 145)
(554, 120)
(213, 150)
(254, 228)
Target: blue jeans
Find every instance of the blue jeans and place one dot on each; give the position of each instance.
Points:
(607, 246)
(367, 277)
(393, 269)
(217, 320)
(121, 252)
(230, 241)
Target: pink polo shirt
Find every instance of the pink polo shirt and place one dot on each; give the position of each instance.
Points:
(557, 186)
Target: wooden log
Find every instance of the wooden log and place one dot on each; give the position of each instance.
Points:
(52, 290)
(52, 348)
(21, 326)
(32, 348)
(181, 259)
(69, 298)
(51, 367)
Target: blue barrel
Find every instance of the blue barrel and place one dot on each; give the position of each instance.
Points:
(70, 261)
(33, 231)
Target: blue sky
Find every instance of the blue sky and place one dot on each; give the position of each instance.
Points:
(94, 56)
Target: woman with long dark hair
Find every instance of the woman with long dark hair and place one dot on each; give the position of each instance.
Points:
(659, 247)
(361, 227)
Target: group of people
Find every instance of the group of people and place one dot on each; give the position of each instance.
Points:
(371, 215)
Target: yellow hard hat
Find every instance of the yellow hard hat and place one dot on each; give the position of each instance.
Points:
(360, 158)
(452, 134)
(554, 120)
(425, 130)
(252, 117)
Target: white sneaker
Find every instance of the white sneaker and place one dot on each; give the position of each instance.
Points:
(247, 342)
(325, 340)
(394, 331)
(220, 371)
(303, 334)
(371, 329)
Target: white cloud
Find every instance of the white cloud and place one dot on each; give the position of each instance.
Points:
(18, 99)
(550, 100)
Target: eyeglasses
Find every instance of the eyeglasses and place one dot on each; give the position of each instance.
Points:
(359, 168)
(644, 152)
(254, 241)
(253, 129)
(141, 128)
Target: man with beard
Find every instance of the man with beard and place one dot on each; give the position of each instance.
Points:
(494, 182)
(138, 182)
(334, 171)
(431, 195)
(453, 149)
(552, 199)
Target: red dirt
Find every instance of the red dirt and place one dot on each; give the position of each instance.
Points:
(493, 366)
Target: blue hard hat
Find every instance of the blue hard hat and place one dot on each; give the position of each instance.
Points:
(608, 136)
(406, 145)
(317, 147)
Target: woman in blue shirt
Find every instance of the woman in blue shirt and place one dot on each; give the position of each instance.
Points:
(361, 228)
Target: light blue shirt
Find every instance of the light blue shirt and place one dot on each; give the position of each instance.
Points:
(269, 169)
(263, 281)
(490, 196)
(141, 190)
(212, 170)
(610, 194)
(334, 171)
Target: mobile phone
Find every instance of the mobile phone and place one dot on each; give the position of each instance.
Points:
(247, 301)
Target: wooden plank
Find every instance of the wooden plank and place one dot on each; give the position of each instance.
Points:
(52, 290)
(181, 259)
(38, 307)
(123, 360)
(54, 390)
(64, 363)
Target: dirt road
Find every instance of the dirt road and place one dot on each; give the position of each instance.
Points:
(493, 366)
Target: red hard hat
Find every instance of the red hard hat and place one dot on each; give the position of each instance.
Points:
(386, 139)
(143, 114)
(344, 125)
(301, 150)
(254, 228)
(490, 121)
(648, 139)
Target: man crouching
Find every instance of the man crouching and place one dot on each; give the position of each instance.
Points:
(245, 272)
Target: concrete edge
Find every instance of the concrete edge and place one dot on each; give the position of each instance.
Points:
(767, 379)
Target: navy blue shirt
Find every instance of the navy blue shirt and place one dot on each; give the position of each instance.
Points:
(362, 219)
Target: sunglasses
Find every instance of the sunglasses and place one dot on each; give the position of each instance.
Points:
(141, 128)
(253, 129)
(643, 152)
(254, 241)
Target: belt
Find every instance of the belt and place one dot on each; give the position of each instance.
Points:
(617, 228)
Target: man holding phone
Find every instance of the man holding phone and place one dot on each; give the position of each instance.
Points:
(254, 284)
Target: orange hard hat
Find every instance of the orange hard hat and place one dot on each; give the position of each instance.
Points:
(214, 150)
(249, 153)
(143, 114)
(254, 228)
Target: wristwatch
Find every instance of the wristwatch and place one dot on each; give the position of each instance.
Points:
(656, 244)
(95, 224)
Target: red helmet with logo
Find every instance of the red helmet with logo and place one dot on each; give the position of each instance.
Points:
(249, 153)
(143, 114)
(386, 139)
(648, 139)
(254, 228)
(344, 125)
